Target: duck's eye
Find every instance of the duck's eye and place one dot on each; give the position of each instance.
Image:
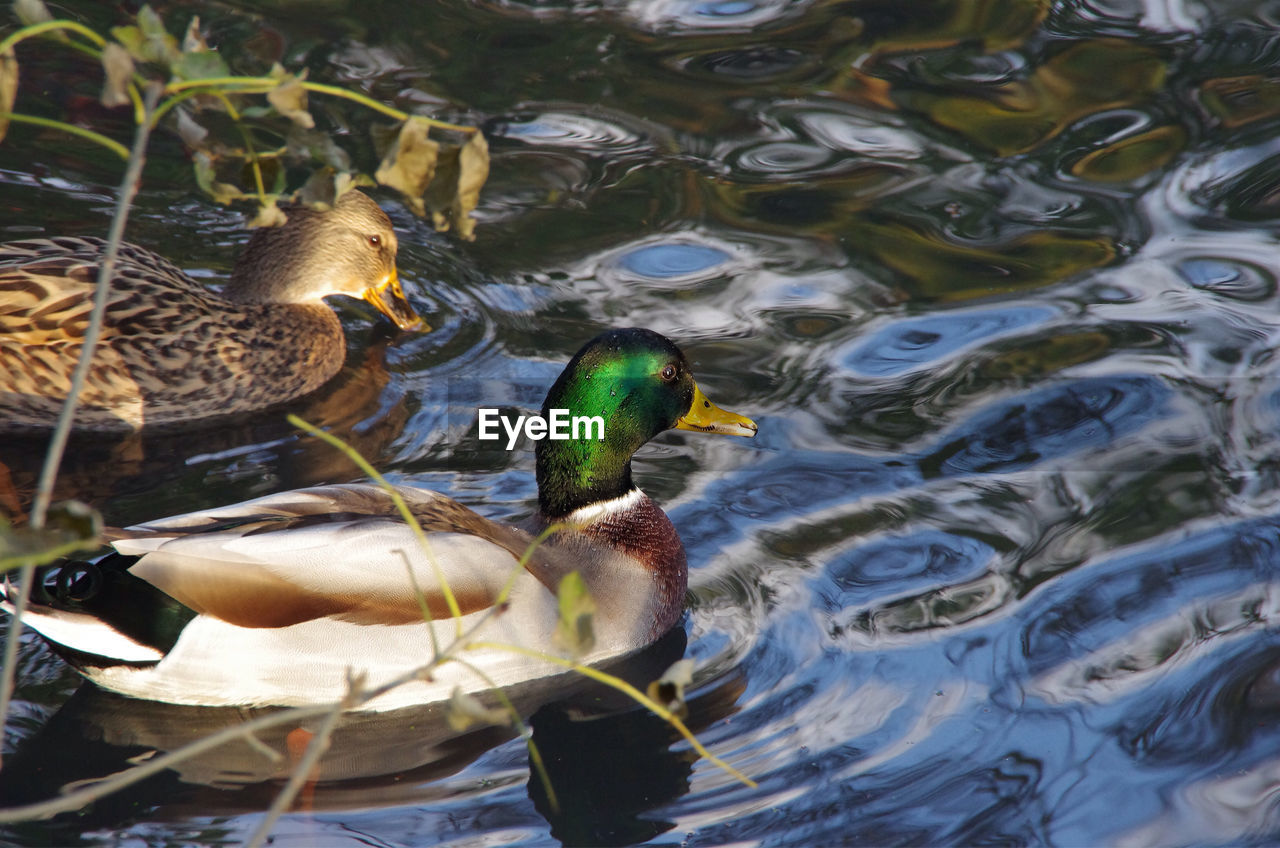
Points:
(668, 373)
(375, 241)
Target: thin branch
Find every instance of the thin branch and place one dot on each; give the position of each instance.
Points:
(301, 772)
(423, 609)
(535, 756)
(58, 442)
(122, 780)
(247, 138)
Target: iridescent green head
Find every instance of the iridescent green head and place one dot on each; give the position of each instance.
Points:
(637, 383)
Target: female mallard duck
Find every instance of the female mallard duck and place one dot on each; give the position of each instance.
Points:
(171, 350)
(274, 600)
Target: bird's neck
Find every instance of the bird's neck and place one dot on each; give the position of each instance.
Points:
(575, 474)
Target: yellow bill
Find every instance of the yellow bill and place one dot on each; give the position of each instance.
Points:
(705, 417)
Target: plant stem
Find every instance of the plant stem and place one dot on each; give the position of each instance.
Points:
(79, 798)
(109, 143)
(261, 85)
(535, 756)
(301, 771)
(455, 611)
(51, 26)
(58, 442)
(627, 689)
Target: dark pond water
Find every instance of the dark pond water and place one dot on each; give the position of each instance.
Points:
(997, 281)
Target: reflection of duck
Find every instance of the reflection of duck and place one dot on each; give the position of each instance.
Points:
(172, 351)
(122, 472)
(272, 601)
(612, 773)
(610, 762)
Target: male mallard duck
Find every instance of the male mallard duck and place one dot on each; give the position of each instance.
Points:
(172, 351)
(272, 601)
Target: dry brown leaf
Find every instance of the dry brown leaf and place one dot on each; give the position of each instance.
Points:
(410, 164)
(31, 12)
(473, 170)
(118, 66)
(320, 189)
(269, 215)
(207, 179)
(290, 100)
(191, 133)
(465, 710)
(193, 41)
(668, 690)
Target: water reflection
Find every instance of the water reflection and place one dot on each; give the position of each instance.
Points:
(604, 757)
(1050, 423)
(997, 280)
(913, 343)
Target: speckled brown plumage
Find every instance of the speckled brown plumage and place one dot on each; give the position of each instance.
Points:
(172, 351)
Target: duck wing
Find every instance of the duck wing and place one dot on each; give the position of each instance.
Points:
(341, 551)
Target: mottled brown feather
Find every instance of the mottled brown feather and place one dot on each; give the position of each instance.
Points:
(172, 350)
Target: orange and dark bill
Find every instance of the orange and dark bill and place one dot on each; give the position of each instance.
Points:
(388, 298)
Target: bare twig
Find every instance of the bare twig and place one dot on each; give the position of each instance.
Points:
(535, 756)
(114, 783)
(58, 442)
(301, 772)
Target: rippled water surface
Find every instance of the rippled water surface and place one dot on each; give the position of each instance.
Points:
(998, 283)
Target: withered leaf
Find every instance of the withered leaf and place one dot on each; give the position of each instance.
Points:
(326, 186)
(668, 690)
(148, 41)
(320, 189)
(193, 41)
(118, 66)
(314, 144)
(191, 133)
(132, 39)
(466, 710)
(206, 178)
(290, 99)
(31, 12)
(473, 170)
(150, 23)
(72, 526)
(444, 188)
(200, 64)
(269, 215)
(453, 195)
(75, 518)
(410, 163)
(8, 87)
